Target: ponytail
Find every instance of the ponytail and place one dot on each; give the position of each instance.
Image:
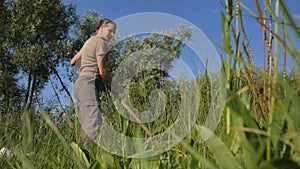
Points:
(103, 22)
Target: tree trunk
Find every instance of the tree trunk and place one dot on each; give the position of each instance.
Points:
(32, 90)
(27, 91)
(6, 100)
(63, 86)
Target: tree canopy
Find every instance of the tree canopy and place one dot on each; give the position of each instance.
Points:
(35, 38)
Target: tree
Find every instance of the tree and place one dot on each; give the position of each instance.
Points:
(39, 32)
(10, 92)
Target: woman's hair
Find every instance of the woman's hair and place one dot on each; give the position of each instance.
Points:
(104, 22)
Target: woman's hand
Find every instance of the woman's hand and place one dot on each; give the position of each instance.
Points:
(75, 58)
(73, 62)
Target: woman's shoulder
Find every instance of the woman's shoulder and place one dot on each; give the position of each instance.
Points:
(95, 40)
(95, 37)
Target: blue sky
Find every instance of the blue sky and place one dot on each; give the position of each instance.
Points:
(203, 14)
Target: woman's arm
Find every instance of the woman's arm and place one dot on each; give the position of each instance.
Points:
(75, 58)
(105, 75)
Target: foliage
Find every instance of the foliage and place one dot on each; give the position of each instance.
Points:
(33, 45)
(9, 89)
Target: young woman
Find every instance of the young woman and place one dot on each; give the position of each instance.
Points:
(93, 74)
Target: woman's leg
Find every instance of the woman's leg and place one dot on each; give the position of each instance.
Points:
(89, 115)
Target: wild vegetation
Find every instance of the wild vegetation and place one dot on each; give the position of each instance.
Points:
(259, 127)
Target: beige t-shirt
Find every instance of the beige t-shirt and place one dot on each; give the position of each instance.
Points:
(94, 47)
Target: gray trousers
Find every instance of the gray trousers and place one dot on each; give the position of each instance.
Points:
(86, 91)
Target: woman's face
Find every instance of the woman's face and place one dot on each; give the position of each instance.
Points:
(108, 31)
